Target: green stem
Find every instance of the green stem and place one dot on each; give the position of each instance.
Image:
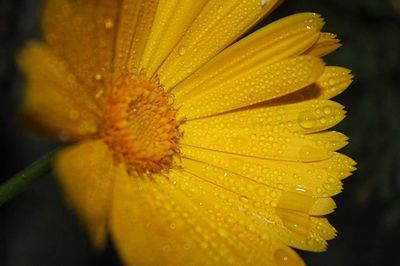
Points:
(19, 182)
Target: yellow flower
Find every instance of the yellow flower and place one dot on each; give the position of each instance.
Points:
(194, 147)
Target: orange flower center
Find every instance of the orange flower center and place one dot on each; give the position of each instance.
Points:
(140, 125)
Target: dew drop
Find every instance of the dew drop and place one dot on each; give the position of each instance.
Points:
(327, 186)
(98, 76)
(182, 50)
(310, 242)
(307, 120)
(263, 2)
(108, 24)
(306, 152)
(284, 258)
(327, 110)
(301, 189)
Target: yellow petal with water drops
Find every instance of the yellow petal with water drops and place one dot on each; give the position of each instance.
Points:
(218, 25)
(326, 44)
(303, 117)
(86, 173)
(293, 177)
(335, 140)
(255, 85)
(272, 144)
(333, 81)
(189, 227)
(290, 227)
(226, 228)
(151, 225)
(279, 40)
(83, 33)
(54, 100)
(171, 21)
(260, 193)
(134, 25)
(339, 166)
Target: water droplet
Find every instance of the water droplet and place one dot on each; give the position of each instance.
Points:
(306, 152)
(310, 242)
(327, 110)
(327, 186)
(301, 189)
(99, 94)
(284, 258)
(263, 2)
(182, 50)
(98, 76)
(108, 24)
(307, 120)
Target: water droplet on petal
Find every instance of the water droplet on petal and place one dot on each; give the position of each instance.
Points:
(307, 120)
(108, 24)
(284, 258)
(182, 50)
(327, 110)
(98, 76)
(301, 189)
(306, 152)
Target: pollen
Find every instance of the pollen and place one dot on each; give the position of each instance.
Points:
(140, 125)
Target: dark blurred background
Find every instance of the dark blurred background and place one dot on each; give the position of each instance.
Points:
(37, 229)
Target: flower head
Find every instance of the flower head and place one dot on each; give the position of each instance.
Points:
(193, 147)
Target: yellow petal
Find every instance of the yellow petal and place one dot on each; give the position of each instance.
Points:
(54, 100)
(288, 176)
(256, 192)
(279, 40)
(174, 221)
(326, 44)
(253, 86)
(83, 33)
(339, 165)
(290, 227)
(148, 225)
(219, 24)
(333, 81)
(303, 117)
(86, 173)
(272, 144)
(171, 21)
(335, 140)
(135, 20)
